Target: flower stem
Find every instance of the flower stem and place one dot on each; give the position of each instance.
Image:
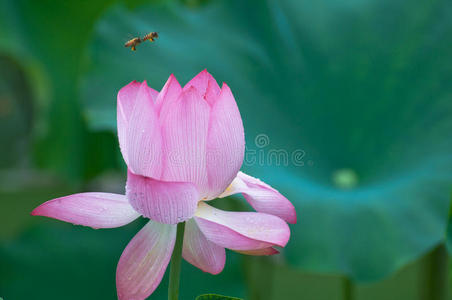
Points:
(176, 258)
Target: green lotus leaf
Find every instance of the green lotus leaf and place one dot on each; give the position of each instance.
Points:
(347, 108)
(46, 41)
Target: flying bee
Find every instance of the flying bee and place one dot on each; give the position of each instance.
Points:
(151, 36)
(133, 43)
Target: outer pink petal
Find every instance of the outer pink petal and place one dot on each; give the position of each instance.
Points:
(97, 210)
(262, 197)
(144, 261)
(185, 128)
(261, 252)
(225, 144)
(162, 201)
(126, 102)
(144, 136)
(206, 85)
(168, 95)
(241, 230)
(201, 252)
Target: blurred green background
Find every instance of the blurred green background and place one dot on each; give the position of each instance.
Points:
(357, 95)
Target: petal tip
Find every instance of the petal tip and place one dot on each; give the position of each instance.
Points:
(34, 212)
(216, 272)
(144, 85)
(225, 89)
(285, 236)
(204, 72)
(291, 214)
(43, 209)
(172, 80)
(293, 218)
(133, 85)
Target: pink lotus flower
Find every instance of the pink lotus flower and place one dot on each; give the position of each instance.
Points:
(183, 147)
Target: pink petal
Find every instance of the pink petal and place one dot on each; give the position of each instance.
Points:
(168, 95)
(225, 143)
(260, 252)
(154, 94)
(262, 197)
(200, 252)
(206, 85)
(144, 136)
(162, 201)
(212, 91)
(97, 210)
(241, 230)
(144, 261)
(126, 103)
(185, 136)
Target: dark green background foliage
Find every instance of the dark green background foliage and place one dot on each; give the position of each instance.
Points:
(357, 94)
(215, 297)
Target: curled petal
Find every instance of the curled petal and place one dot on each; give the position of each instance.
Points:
(125, 104)
(162, 201)
(201, 252)
(206, 85)
(225, 144)
(262, 197)
(241, 230)
(144, 136)
(144, 261)
(185, 128)
(97, 210)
